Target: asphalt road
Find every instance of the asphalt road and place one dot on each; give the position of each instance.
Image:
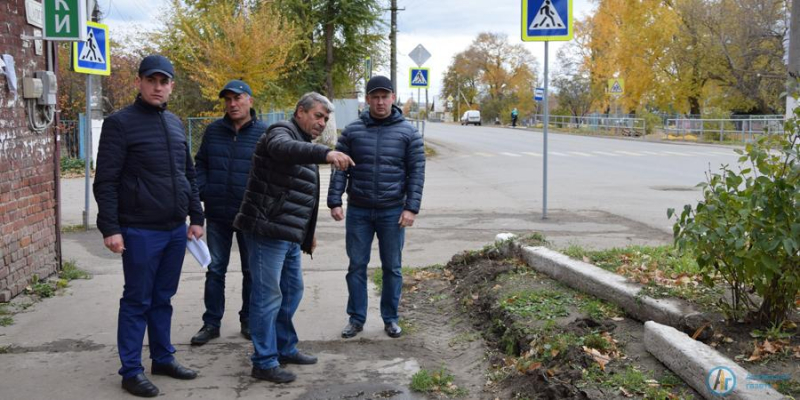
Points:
(492, 168)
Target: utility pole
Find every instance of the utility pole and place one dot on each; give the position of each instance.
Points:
(393, 39)
(794, 59)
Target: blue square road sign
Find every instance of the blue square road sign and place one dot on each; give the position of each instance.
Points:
(546, 20)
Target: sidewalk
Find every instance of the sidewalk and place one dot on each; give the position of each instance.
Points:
(65, 347)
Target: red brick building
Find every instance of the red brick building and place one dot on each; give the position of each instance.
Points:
(28, 165)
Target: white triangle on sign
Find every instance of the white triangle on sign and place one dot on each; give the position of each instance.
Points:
(90, 51)
(547, 18)
(419, 79)
(616, 87)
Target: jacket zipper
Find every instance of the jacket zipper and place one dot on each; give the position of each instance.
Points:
(171, 164)
(375, 200)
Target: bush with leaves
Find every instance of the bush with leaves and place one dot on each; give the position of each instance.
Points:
(746, 230)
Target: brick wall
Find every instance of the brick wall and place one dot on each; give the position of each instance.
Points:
(27, 177)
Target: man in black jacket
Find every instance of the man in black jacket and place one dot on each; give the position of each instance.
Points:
(145, 188)
(278, 217)
(384, 191)
(223, 163)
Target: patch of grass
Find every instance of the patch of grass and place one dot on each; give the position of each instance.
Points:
(377, 276)
(407, 326)
(72, 228)
(667, 258)
(438, 381)
(73, 165)
(430, 151)
(631, 380)
(439, 297)
(534, 239)
(788, 387)
(595, 341)
(598, 309)
(70, 271)
(4, 349)
(6, 320)
(42, 289)
(774, 332)
(543, 304)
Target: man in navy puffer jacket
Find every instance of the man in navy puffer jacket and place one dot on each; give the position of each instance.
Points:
(223, 164)
(145, 188)
(384, 191)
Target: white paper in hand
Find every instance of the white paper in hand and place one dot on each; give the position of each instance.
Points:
(200, 252)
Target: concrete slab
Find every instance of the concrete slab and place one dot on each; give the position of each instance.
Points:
(706, 370)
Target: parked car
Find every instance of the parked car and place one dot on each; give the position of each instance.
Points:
(471, 117)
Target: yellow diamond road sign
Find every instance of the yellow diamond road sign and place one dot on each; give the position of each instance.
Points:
(616, 86)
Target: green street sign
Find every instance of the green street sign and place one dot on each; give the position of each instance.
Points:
(65, 20)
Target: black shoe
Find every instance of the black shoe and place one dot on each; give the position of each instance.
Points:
(173, 370)
(139, 385)
(298, 358)
(275, 375)
(246, 330)
(206, 333)
(393, 330)
(351, 330)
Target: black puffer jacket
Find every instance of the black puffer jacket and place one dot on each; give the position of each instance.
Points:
(390, 164)
(223, 165)
(281, 200)
(145, 177)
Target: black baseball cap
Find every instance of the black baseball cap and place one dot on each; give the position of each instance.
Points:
(379, 82)
(236, 86)
(154, 64)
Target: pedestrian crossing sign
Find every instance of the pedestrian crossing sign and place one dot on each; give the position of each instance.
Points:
(616, 86)
(546, 20)
(419, 78)
(92, 56)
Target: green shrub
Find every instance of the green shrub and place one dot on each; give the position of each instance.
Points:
(747, 227)
(76, 165)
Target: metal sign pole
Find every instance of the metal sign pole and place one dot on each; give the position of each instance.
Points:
(87, 139)
(419, 114)
(546, 122)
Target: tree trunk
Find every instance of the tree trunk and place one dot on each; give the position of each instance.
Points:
(777, 303)
(329, 31)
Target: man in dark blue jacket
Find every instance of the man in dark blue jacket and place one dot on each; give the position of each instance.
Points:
(223, 164)
(145, 188)
(384, 191)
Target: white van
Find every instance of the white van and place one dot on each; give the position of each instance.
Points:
(471, 117)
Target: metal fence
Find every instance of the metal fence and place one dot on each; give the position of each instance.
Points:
(722, 130)
(71, 140)
(599, 124)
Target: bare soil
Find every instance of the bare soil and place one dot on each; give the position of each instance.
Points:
(460, 305)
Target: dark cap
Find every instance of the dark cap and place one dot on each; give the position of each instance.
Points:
(156, 63)
(236, 86)
(379, 82)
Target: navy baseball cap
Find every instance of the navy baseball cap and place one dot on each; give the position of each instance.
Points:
(236, 86)
(154, 64)
(379, 82)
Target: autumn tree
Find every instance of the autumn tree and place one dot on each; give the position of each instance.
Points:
(502, 75)
(335, 37)
(216, 41)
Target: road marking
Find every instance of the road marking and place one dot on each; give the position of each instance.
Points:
(730, 153)
(674, 153)
(530, 153)
(628, 153)
(652, 153)
(605, 154)
(555, 153)
(511, 154)
(578, 153)
(484, 154)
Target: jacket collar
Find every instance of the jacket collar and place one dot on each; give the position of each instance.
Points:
(147, 106)
(306, 136)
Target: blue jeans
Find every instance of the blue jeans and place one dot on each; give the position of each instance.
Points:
(361, 225)
(220, 239)
(276, 293)
(151, 263)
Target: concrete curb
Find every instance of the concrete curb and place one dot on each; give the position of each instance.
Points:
(700, 365)
(605, 285)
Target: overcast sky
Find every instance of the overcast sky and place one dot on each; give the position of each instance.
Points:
(443, 27)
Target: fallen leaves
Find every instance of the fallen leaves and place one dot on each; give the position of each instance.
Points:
(768, 348)
(604, 356)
